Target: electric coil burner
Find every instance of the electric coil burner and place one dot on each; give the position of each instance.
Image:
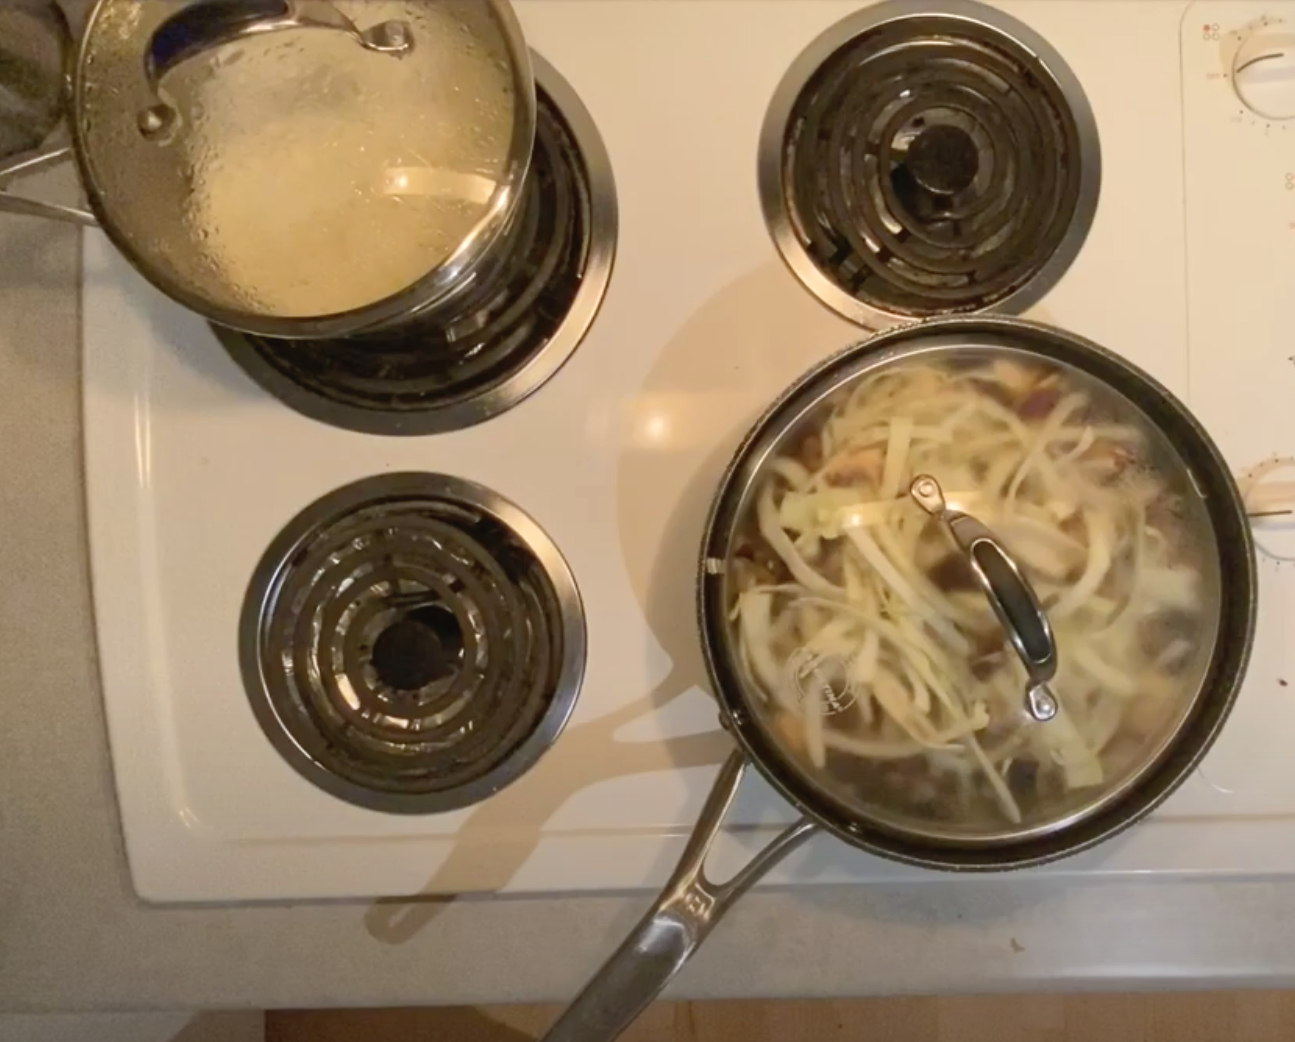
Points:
(505, 337)
(412, 643)
(927, 161)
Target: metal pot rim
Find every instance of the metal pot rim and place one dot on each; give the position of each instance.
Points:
(437, 287)
(1185, 747)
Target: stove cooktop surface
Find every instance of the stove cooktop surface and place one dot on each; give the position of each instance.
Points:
(611, 455)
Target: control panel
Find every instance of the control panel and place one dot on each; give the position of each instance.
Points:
(1238, 67)
(1239, 151)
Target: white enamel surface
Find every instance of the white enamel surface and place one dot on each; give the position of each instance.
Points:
(191, 469)
(1241, 230)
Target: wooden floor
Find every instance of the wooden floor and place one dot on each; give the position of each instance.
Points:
(1207, 1017)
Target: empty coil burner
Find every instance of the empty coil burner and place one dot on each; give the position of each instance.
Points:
(919, 161)
(412, 643)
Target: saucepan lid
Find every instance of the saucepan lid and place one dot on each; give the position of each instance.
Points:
(285, 160)
(971, 591)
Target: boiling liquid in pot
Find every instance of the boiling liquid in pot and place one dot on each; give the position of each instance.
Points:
(313, 176)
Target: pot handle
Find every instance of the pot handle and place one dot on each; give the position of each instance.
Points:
(31, 163)
(207, 24)
(675, 926)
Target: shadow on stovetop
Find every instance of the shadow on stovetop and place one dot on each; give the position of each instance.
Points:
(396, 920)
(179, 332)
(192, 339)
(676, 435)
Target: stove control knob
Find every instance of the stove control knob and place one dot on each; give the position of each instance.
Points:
(1263, 73)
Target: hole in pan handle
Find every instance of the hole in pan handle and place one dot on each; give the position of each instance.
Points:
(676, 924)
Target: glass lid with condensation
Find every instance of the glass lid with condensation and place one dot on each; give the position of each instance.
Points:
(973, 592)
(310, 170)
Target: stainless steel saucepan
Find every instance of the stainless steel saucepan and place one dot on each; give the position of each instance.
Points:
(974, 595)
(292, 168)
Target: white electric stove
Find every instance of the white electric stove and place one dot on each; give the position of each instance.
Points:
(194, 467)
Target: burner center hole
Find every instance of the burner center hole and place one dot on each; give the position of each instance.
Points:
(424, 646)
(944, 160)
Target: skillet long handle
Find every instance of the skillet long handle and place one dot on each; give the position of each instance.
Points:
(674, 927)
